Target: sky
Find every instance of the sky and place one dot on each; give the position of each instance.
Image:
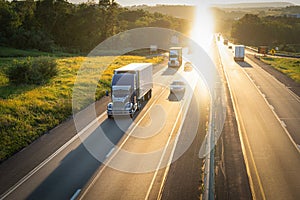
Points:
(188, 2)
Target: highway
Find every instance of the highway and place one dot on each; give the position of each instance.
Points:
(156, 156)
(268, 119)
(154, 132)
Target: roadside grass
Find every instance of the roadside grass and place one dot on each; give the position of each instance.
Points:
(12, 52)
(28, 111)
(288, 66)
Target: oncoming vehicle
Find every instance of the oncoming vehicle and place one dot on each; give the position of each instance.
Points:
(175, 57)
(131, 85)
(188, 67)
(177, 86)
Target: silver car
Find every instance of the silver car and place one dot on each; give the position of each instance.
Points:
(177, 87)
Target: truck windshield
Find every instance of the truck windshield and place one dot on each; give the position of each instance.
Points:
(120, 93)
(173, 54)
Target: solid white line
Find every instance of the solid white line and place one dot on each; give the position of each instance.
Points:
(173, 150)
(275, 114)
(75, 194)
(120, 147)
(47, 160)
(240, 127)
(37, 168)
(276, 80)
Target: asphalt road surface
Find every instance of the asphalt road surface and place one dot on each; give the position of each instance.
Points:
(261, 105)
(90, 164)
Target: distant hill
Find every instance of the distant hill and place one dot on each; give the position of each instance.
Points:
(179, 11)
(188, 12)
(255, 5)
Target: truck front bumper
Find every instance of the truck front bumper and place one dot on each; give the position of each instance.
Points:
(119, 112)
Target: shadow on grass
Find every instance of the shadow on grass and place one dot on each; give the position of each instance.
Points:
(9, 90)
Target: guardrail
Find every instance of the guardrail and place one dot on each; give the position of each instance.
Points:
(276, 54)
(208, 193)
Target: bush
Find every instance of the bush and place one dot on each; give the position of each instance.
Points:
(32, 70)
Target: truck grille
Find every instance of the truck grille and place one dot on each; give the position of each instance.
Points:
(118, 106)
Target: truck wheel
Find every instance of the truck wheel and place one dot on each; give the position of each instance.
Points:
(150, 94)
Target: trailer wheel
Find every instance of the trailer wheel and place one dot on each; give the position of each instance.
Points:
(139, 105)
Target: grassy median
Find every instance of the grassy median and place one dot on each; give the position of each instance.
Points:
(288, 66)
(28, 111)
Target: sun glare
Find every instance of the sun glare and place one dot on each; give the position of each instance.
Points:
(203, 26)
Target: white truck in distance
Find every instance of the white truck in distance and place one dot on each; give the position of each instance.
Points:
(239, 53)
(175, 57)
(131, 85)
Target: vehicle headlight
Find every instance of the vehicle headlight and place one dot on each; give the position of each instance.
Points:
(109, 106)
(128, 106)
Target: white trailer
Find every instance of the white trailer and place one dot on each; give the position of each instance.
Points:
(131, 85)
(239, 52)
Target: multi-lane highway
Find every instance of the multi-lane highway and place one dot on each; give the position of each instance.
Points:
(136, 160)
(268, 118)
(156, 156)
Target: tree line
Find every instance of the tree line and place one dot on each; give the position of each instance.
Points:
(58, 25)
(269, 30)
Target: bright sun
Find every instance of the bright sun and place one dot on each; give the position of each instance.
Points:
(202, 32)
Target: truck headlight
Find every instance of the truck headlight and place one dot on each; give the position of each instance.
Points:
(128, 106)
(109, 106)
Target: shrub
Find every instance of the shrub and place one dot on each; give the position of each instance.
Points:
(32, 70)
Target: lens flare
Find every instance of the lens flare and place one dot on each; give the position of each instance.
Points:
(203, 27)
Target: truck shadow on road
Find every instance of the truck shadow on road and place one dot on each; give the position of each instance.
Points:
(76, 168)
(170, 71)
(176, 97)
(79, 165)
(244, 64)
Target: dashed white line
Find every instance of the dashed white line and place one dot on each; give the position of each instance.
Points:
(75, 195)
(110, 152)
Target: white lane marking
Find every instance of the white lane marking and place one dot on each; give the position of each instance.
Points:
(240, 127)
(120, 147)
(47, 160)
(275, 114)
(276, 80)
(110, 152)
(75, 195)
(282, 123)
(175, 144)
(63, 147)
(163, 155)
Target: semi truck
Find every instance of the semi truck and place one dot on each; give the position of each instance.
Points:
(175, 57)
(239, 53)
(131, 85)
